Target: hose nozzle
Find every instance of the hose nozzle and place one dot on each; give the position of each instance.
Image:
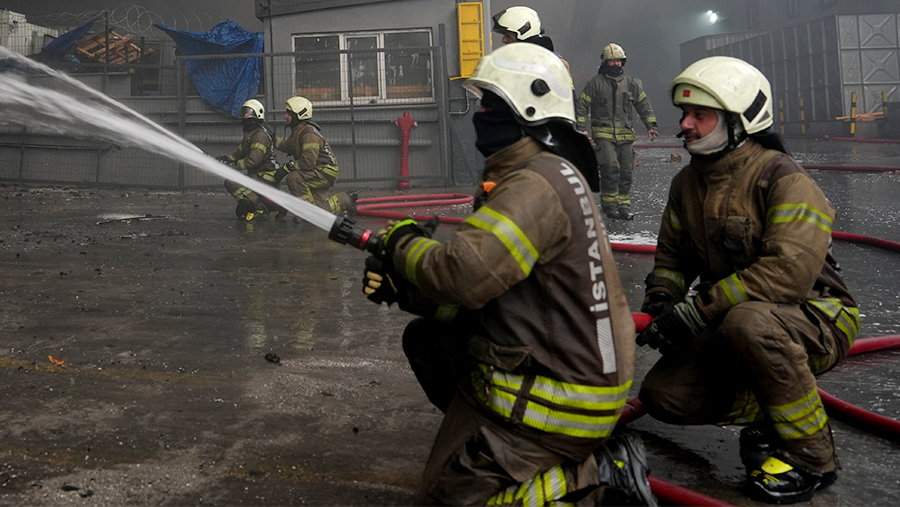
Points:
(346, 231)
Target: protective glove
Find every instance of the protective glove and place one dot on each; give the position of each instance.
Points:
(657, 303)
(225, 159)
(653, 134)
(673, 329)
(409, 229)
(381, 284)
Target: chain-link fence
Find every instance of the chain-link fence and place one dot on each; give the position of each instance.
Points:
(358, 95)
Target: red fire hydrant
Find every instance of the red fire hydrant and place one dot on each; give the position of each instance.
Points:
(406, 124)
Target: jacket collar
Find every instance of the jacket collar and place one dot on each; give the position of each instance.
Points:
(733, 161)
(511, 158)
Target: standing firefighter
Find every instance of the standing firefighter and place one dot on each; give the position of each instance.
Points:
(314, 169)
(255, 155)
(604, 113)
(526, 343)
(770, 311)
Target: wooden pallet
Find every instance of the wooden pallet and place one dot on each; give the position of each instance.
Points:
(111, 47)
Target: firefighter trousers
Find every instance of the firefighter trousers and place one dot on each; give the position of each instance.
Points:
(616, 162)
(476, 460)
(312, 186)
(759, 364)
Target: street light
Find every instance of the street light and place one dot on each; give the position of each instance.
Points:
(713, 17)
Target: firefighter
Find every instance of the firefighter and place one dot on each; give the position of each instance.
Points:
(256, 156)
(604, 114)
(522, 24)
(771, 310)
(525, 339)
(314, 168)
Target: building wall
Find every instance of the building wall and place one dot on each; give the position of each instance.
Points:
(17, 34)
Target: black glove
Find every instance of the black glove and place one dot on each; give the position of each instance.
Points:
(409, 229)
(674, 328)
(381, 284)
(657, 303)
(225, 159)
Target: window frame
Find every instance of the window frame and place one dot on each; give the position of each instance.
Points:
(344, 71)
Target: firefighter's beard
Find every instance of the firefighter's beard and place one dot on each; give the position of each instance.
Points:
(715, 141)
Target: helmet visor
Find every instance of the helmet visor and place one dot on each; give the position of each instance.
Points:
(248, 112)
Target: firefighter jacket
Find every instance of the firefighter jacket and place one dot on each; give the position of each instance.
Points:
(552, 333)
(255, 154)
(310, 151)
(605, 106)
(755, 227)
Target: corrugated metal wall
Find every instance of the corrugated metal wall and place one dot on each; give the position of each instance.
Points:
(815, 67)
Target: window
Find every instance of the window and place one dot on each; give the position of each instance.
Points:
(366, 67)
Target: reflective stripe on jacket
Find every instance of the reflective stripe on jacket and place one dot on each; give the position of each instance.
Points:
(255, 153)
(605, 106)
(534, 265)
(310, 151)
(757, 228)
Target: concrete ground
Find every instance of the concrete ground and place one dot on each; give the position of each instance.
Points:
(158, 351)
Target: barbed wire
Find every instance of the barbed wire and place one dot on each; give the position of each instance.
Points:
(134, 19)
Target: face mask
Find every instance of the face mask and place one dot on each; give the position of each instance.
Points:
(609, 70)
(712, 142)
(248, 123)
(494, 131)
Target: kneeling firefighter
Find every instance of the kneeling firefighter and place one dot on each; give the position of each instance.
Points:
(770, 310)
(314, 169)
(255, 155)
(525, 340)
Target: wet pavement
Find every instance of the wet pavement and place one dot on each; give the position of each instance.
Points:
(208, 361)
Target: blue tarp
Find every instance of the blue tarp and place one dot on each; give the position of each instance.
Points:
(62, 43)
(225, 84)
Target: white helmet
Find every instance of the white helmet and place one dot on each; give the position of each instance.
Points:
(613, 51)
(301, 106)
(730, 84)
(253, 109)
(522, 21)
(531, 79)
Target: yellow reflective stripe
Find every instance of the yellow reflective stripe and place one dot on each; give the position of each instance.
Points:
(564, 423)
(509, 234)
(745, 409)
(329, 169)
(259, 146)
(540, 491)
(334, 204)
(734, 290)
(642, 96)
(846, 317)
(505, 388)
(586, 97)
(309, 146)
(269, 176)
(446, 313)
(670, 215)
(672, 276)
(798, 419)
(580, 396)
(785, 213)
(420, 245)
(241, 193)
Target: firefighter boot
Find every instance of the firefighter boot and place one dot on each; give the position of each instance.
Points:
(778, 481)
(610, 210)
(622, 468)
(625, 213)
(243, 207)
(257, 211)
(757, 444)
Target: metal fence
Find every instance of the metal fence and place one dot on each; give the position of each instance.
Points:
(358, 96)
